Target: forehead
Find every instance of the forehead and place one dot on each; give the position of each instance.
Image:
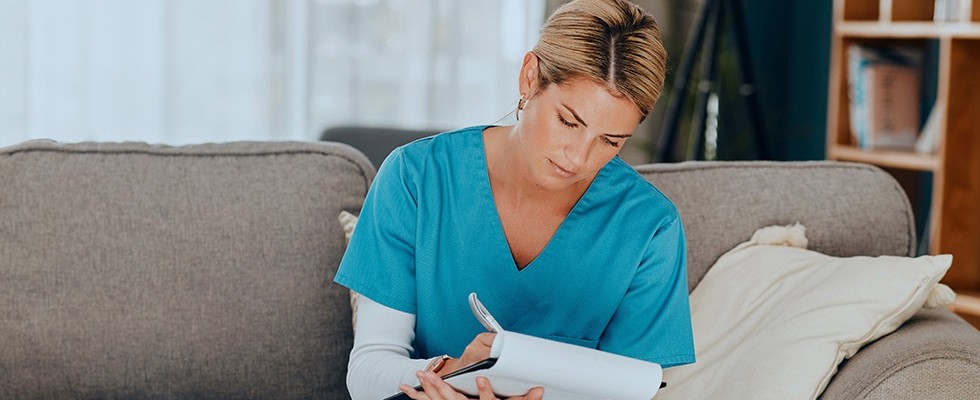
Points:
(596, 103)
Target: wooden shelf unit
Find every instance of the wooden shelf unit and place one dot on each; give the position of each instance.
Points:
(910, 30)
(967, 305)
(955, 213)
(886, 158)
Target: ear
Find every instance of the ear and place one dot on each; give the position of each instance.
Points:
(528, 80)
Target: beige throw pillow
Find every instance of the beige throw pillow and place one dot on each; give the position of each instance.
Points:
(773, 320)
(348, 221)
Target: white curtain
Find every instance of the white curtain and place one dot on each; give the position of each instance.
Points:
(419, 63)
(191, 71)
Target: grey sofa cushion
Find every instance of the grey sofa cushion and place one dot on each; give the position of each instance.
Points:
(848, 209)
(935, 355)
(136, 271)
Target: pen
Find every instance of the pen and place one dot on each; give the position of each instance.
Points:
(483, 315)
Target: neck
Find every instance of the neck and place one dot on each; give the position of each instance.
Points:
(511, 175)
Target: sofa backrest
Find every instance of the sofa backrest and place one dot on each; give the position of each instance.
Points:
(138, 271)
(375, 142)
(848, 209)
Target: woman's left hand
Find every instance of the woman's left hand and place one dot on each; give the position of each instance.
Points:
(434, 388)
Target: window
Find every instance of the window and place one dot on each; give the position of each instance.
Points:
(184, 71)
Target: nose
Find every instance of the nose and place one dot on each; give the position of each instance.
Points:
(577, 151)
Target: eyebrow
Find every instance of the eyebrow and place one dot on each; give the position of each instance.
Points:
(579, 119)
(574, 114)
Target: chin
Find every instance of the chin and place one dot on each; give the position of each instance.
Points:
(548, 180)
(552, 184)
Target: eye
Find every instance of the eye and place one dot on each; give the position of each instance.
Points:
(566, 123)
(610, 142)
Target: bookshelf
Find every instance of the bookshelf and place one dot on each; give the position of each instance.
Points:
(954, 217)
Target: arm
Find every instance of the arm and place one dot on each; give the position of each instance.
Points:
(380, 361)
(379, 262)
(653, 321)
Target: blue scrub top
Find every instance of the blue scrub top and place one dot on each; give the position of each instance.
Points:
(613, 276)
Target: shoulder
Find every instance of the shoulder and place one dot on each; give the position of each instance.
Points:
(423, 148)
(411, 160)
(638, 195)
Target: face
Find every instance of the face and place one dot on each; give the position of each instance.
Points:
(568, 132)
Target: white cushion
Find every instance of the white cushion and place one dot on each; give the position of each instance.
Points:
(772, 321)
(348, 222)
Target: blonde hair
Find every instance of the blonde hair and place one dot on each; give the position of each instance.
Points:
(612, 42)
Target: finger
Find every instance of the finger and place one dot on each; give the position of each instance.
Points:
(486, 392)
(486, 338)
(440, 389)
(536, 393)
(411, 392)
(428, 390)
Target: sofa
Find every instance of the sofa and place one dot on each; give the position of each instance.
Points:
(376, 142)
(142, 271)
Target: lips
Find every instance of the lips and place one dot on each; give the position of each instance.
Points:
(561, 171)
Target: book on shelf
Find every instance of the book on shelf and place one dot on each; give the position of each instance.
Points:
(884, 88)
(929, 138)
(519, 363)
(949, 10)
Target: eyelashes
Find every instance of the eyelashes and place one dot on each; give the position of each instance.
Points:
(566, 123)
(573, 125)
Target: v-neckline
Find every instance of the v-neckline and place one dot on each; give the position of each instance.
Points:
(501, 234)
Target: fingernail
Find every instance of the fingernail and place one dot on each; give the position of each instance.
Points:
(481, 382)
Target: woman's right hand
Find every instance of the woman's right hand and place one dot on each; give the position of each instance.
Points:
(478, 350)
(434, 388)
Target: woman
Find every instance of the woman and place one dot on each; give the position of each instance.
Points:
(558, 237)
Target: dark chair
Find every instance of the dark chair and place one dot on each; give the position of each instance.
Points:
(375, 143)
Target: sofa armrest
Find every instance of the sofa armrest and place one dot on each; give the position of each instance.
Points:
(934, 355)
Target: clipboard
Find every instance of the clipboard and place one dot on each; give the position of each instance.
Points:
(471, 370)
(520, 362)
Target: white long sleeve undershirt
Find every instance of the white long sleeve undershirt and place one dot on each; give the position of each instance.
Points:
(380, 360)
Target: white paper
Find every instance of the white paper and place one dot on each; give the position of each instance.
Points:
(567, 372)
